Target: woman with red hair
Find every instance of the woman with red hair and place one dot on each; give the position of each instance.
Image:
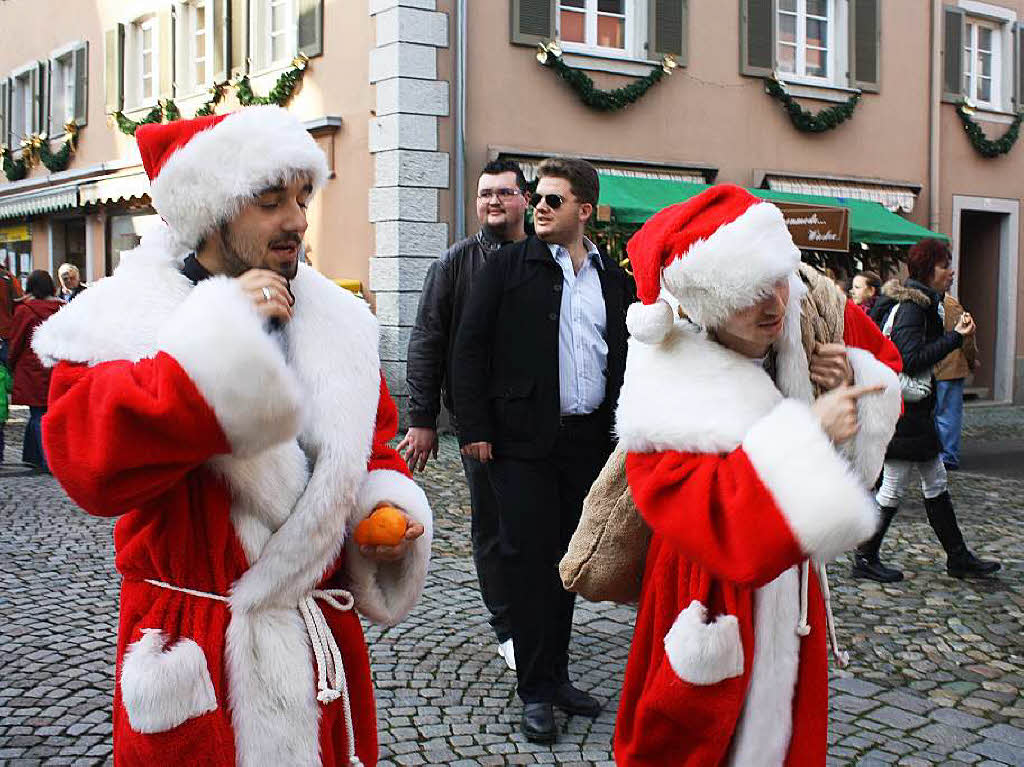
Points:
(912, 316)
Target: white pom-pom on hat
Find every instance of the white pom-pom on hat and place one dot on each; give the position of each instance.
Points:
(650, 323)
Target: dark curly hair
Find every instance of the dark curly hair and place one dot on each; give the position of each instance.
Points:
(924, 256)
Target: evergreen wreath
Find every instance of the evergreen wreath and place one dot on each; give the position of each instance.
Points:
(550, 56)
(15, 170)
(59, 160)
(985, 146)
(808, 122)
(167, 110)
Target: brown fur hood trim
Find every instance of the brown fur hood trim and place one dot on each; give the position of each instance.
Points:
(900, 293)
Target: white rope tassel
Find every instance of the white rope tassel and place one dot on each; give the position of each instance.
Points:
(842, 657)
(802, 627)
(331, 683)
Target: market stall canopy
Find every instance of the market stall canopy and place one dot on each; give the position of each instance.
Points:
(634, 200)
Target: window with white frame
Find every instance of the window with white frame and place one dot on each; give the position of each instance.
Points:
(195, 46)
(23, 105)
(806, 39)
(982, 62)
(606, 27)
(143, 76)
(67, 75)
(275, 30)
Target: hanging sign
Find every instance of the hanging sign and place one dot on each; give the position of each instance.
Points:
(817, 227)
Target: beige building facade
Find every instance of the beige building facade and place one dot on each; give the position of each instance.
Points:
(411, 97)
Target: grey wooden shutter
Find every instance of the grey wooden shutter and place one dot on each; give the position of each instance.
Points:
(81, 74)
(238, 36)
(165, 29)
(5, 106)
(667, 34)
(219, 26)
(865, 44)
(1018, 69)
(757, 37)
(50, 66)
(533, 21)
(311, 27)
(952, 54)
(113, 80)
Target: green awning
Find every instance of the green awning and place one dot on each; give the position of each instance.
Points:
(634, 200)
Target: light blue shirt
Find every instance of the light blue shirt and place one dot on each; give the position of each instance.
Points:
(582, 327)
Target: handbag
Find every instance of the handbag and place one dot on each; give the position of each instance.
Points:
(607, 554)
(914, 388)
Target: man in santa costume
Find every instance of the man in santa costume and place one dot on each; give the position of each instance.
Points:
(749, 486)
(226, 403)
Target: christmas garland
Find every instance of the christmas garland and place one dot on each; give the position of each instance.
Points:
(167, 110)
(808, 122)
(15, 170)
(59, 160)
(550, 55)
(985, 146)
(37, 148)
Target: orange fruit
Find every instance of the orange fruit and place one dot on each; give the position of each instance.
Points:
(386, 526)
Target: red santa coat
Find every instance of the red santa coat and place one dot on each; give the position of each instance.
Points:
(237, 465)
(740, 486)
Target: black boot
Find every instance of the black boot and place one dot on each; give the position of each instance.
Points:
(866, 562)
(960, 562)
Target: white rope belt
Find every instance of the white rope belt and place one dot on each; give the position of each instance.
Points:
(331, 683)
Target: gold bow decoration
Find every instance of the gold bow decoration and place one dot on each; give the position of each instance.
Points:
(544, 50)
(669, 64)
(300, 61)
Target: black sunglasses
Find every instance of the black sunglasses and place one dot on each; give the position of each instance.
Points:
(554, 201)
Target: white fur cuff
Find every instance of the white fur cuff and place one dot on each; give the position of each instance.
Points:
(703, 653)
(823, 501)
(218, 338)
(877, 415)
(385, 592)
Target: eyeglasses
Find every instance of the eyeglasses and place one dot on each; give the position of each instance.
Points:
(504, 193)
(554, 201)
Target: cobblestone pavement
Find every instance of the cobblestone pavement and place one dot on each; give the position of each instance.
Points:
(937, 669)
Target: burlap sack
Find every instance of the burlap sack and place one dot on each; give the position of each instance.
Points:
(607, 553)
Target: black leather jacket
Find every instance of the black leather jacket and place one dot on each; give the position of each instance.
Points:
(445, 292)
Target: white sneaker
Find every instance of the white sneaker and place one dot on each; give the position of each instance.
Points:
(508, 654)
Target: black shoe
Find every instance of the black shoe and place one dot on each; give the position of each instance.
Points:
(866, 562)
(960, 562)
(963, 564)
(873, 569)
(574, 701)
(538, 723)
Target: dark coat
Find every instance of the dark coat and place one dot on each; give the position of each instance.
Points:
(31, 379)
(923, 343)
(432, 341)
(505, 373)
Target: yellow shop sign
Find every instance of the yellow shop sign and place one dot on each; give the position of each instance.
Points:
(16, 233)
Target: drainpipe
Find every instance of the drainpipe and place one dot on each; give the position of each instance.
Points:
(934, 105)
(460, 121)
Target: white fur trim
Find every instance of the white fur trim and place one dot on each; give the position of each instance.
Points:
(766, 722)
(690, 393)
(704, 653)
(217, 336)
(162, 689)
(823, 501)
(877, 415)
(734, 267)
(385, 592)
(650, 324)
(206, 182)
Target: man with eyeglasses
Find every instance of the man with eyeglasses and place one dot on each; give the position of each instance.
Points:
(539, 361)
(501, 210)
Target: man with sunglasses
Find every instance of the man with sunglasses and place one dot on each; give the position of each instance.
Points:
(501, 211)
(539, 360)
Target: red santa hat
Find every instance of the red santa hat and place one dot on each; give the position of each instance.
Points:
(203, 171)
(716, 253)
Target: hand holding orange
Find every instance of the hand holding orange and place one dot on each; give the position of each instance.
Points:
(386, 526)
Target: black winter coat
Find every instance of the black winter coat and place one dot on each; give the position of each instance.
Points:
(505, 375)
(432, 341)
(919, 335)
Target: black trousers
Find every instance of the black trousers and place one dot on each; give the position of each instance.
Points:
(541, 502)
(486, 547)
